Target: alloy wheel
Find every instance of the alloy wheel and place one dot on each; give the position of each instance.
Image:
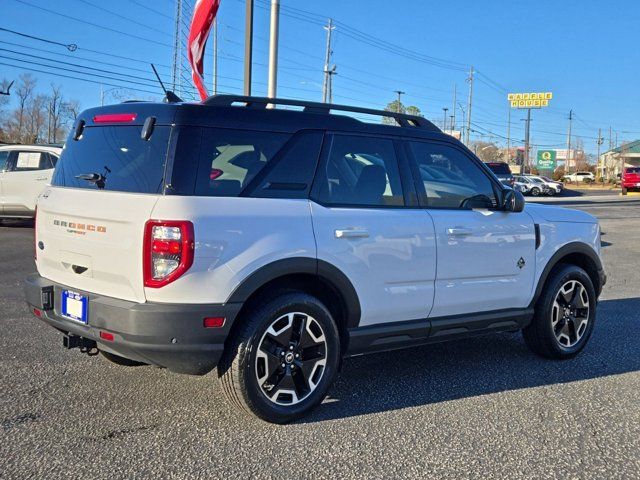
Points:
(570, 313)
(291, 358)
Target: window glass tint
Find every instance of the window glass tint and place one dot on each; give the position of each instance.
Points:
(361, 171)
(46, 162)
(450, 178)
(117, 157)
(27, 161)
(293, 168)
(4, 160)
(230, 159)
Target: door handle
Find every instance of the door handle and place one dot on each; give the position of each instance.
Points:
(459, 231)
(352, 233)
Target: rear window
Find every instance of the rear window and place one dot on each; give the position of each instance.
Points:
(632, 170)
(499, 168)
(114, 158)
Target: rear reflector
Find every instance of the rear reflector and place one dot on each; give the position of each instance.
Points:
(37, 312)
(106, 336)
(214, 322)
(115, 118)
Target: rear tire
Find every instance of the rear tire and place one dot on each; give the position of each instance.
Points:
(118, 360)
(564, 314)
(282, 360)
(535, 191)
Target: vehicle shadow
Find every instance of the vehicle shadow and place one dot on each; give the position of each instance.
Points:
(16, 223)
(484, 365)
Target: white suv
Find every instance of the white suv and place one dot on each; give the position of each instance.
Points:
(271, 243)
(24, 172)
(580, 177)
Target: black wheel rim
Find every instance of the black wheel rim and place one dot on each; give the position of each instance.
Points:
(570, 313)
(291, 358)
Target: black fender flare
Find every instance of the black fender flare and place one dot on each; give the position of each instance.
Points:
(303, 265)
(564, 251)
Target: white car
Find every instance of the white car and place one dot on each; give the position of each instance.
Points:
(554, 188)
(579, 177)
(536, 187)
(269, 243)
(25, 170)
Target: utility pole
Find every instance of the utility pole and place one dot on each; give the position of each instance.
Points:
(610, 140)
(464, 121)
(453, 110)
(599, 142)
(569, 140)
(470, 80)
(273, 50)
(444, 125)
(248, 46)
(326, 82)
(509, 134)
(399, 92)
(526, 139)
(215, 55)
(175, 68)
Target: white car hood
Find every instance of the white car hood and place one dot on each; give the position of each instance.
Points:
(558, 214)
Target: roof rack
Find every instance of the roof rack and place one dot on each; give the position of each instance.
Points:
(403, 119)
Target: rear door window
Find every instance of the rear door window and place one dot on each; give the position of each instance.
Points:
(26, 161)
(117, 159)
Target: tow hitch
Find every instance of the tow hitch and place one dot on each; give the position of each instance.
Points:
(84, 344)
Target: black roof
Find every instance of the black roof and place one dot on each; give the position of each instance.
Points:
(230, 111)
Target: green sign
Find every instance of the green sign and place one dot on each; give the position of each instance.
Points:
(546, 159)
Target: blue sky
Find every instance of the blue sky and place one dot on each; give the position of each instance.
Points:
(585, 52)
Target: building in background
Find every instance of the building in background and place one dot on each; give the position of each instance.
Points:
(611, 163)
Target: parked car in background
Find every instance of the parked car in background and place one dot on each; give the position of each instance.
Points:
(521, 187)
(631, 179)
(24, 172)
(502, 171)
(554, 187)
(536, 187)
(579, 177)
(552, 181)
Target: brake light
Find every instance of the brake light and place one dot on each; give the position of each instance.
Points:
(168, 251)
(115, 118)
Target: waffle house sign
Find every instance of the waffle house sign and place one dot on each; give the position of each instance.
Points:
(530, 100)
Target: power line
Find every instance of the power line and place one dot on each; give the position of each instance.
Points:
(70, 46)
(123, 17)
(86, 22)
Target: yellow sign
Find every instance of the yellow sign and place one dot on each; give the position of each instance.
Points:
(530, 99)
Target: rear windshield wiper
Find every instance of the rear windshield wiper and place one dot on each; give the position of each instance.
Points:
(96, 178)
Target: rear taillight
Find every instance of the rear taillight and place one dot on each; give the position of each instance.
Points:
(168, 251)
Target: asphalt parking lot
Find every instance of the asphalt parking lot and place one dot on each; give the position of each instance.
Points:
(481, 408)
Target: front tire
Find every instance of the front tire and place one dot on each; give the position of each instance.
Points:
(281, 362)
(564, 314)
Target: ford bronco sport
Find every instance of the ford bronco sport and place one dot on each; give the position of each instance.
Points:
(270, 243)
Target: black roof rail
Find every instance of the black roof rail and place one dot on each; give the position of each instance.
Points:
(403, 119)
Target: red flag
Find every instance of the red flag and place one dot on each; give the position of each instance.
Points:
(203, 14)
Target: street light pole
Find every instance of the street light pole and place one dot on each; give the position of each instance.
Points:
(444, 125)
(399, 92)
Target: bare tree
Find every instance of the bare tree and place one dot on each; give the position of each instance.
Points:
(24, 92)
(55, 112)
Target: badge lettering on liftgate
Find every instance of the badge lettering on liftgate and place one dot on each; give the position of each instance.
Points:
(79, 228)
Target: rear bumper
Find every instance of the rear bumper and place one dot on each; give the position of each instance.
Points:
(165, 335)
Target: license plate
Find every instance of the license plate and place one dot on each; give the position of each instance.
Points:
(75, 306)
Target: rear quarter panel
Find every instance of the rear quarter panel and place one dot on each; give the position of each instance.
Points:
(234, 236)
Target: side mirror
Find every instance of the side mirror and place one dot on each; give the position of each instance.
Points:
(512, 200)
